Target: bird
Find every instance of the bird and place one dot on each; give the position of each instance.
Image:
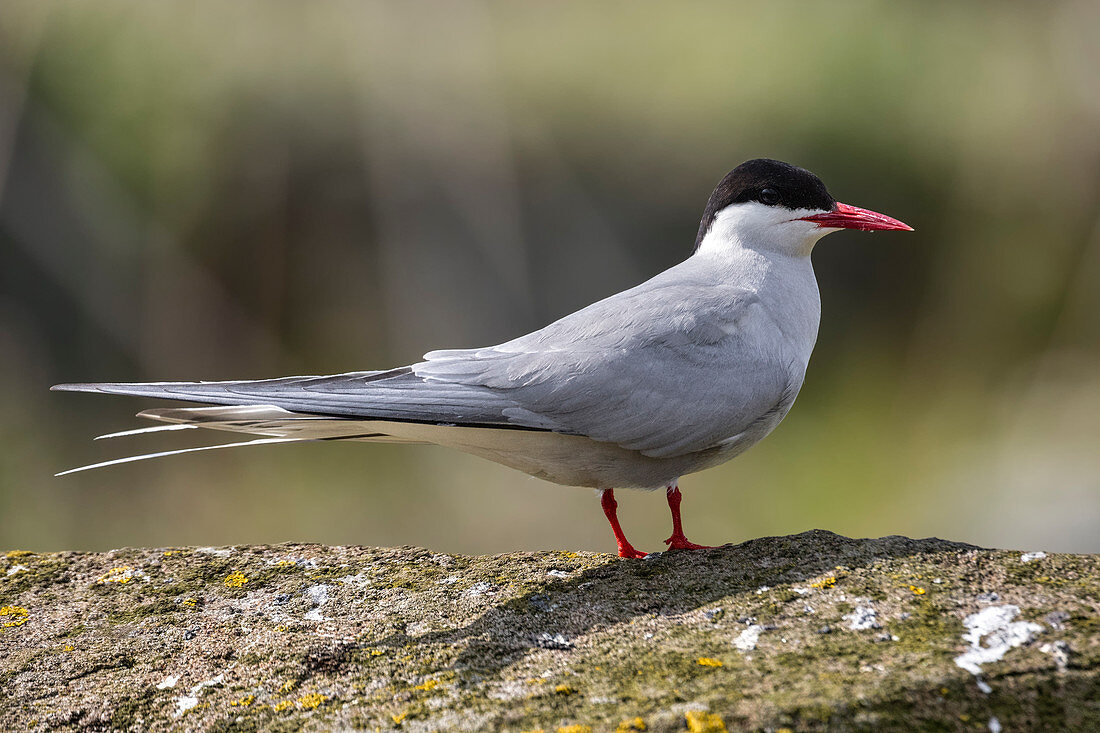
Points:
(678, 374)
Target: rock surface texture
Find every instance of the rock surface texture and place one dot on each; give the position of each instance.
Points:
(808, 632)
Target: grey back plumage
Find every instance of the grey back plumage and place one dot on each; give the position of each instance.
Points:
(642, 369)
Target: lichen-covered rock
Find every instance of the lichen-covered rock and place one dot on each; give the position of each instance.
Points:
(808, 632)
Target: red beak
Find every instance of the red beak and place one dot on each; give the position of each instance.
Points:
(853, 217)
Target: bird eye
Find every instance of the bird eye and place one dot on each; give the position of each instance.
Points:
(769, 197)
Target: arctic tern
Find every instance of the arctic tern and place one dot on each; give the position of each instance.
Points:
(678, 374)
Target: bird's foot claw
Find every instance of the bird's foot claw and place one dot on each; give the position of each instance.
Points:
(629, 551)
(682, 543)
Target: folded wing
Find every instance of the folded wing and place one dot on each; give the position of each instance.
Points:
(668, 368)
(676, 365)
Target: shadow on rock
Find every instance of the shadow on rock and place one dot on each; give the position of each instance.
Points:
(667, 584)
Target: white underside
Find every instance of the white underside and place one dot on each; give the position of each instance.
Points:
(563, 459)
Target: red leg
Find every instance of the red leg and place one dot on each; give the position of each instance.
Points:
(678, 541)
(607, 501)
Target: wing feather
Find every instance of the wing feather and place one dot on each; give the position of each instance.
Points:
(393, 395)
(678, 364)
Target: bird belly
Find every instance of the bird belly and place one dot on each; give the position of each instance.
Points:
(571, 460)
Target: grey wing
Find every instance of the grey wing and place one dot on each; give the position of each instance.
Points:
(397, 394)
(664, 372)
(667, 368)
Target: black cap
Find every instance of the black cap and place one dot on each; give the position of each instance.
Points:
(770, 182)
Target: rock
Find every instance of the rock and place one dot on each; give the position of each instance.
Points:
(845, 634)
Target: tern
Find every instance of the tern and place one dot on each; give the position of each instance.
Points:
(680, 373)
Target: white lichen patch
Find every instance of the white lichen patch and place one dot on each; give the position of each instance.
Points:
(996, 626)
(15, 569)
(168, 682)
(359, 580)
(217, 551)
(1030, 556)
(864, 617)
(746, 640)
(1059, 652)
(546, 640)
(479, 589)
(185, 703)
(191, 699)
(416, 628)
(318, 595)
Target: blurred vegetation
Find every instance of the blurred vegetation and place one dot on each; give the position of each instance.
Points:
(209, 190)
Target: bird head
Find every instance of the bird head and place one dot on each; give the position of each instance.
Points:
(771, 205)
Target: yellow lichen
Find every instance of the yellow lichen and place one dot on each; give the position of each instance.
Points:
(917, 590)
(289, 685)
(428, 685)
(13, 554)
(570, 555)
(190, 602)
(244, 701)
(11, 616)
(564, 690)
(708, 662)
(534, 730)
(311, 701)
(702, 722)
(281, 706)
(235, 579)
(828, 582)
(122, 574)
(170, 553)
(575, 729)
(69, 648)
(399, 718)
(285, 563)
(628, 725)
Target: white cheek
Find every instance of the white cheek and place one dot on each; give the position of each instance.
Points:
(752, 225)
(799, 228)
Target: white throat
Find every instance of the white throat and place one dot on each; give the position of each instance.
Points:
(766, 250)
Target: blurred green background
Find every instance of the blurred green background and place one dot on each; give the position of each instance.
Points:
(216, 190)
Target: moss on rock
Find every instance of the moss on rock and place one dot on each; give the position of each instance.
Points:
(809, 632)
